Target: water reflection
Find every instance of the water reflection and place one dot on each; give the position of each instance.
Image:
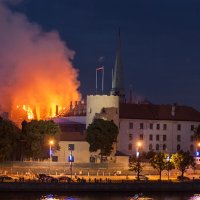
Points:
(99, 196)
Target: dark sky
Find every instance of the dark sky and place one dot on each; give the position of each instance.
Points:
(161, 43)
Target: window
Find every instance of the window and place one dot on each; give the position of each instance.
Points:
(164, 137)
(151, 137)
(157, 126)
(164, 126)
(192, 128)
(130, 136)
(141, 136)
(178, 138)
(178, 127)
(157, 147)
(151, 126)
(141, 126)
(164, 147)
(178, 147)
(55, 158)
(130, 125)
(71, 147)
(192, 148)
(191, 138)
(130, 147)
(157, 137)
(150, 147)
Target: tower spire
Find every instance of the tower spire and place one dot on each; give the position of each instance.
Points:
(118, 79)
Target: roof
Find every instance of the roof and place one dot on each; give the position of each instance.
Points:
(158, 112)
(72, 132)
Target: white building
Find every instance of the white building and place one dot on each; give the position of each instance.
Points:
(167, 128)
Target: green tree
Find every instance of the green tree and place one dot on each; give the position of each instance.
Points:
(36, 136)
(9, 134)
(101, 135)
(158, 161)
(136, 166)
(182, 161)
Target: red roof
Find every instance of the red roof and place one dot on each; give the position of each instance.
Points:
(158, 112)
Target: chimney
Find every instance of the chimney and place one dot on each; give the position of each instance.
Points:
(70, 107)
(56, 110)
(173, 110)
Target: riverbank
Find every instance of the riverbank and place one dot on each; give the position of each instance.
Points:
(150, 186)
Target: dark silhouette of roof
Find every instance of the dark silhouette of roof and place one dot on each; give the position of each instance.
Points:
(72, 132)
(158, 112)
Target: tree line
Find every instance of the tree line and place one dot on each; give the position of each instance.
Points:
(29, 142)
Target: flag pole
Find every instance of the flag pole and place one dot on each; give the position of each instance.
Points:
(102, 79)
(96, 81)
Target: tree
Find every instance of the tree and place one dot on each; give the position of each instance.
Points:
(36, 136)
(136, 166)
(182, 161)
(169, 165)
(9, 134)
(158, 161)
(101, 135)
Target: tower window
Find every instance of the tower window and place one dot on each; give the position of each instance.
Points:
(178, 127)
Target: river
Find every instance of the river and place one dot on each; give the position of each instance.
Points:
(99, 196)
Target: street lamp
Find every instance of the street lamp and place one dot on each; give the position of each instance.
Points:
(51, 142)
(197, 152)
(139, 144)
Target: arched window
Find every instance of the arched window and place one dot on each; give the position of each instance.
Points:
(150, 147)
(130, 147)
(178, 147)
(157, 147)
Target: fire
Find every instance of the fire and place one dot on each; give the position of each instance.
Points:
(29, 112)
(37, 76)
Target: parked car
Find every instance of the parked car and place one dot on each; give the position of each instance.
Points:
(143, 177)
(6, 179)
(184, 178)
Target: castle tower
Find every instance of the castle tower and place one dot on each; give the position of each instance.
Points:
(118, 80)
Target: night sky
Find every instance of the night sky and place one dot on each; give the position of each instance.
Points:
(160, 39)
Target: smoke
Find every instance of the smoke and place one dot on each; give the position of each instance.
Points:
(35, 66)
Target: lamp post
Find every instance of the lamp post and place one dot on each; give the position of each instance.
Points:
(139, 144)
(51, 142)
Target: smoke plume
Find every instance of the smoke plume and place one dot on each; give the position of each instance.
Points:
(36, 71)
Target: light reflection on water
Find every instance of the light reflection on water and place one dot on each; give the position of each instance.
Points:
(99, 196)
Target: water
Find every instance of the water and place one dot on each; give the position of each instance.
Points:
(98, 196)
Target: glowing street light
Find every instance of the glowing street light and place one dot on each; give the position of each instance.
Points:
(139, 144)
(51, 142)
